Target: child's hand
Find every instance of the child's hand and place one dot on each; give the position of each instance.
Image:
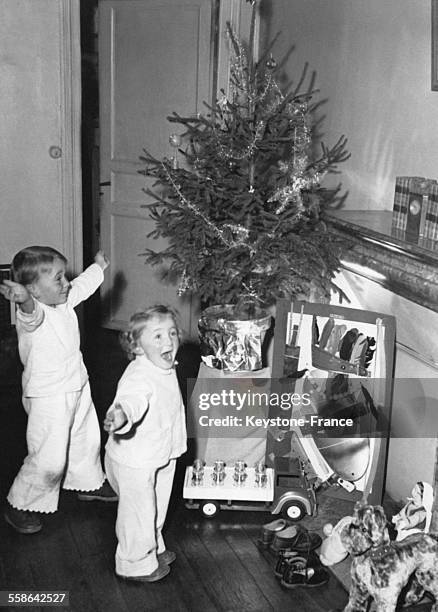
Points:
(115, 418)
(15, 292)
(101, 259)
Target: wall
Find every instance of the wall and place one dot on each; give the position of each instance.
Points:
(372, 60)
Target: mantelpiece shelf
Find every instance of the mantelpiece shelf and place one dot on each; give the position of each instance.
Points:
(407, 269)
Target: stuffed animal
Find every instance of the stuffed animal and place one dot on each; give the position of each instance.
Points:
(381, 568)
(416, 515)
(332, 550)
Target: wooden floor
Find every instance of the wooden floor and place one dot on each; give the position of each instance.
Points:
(218, 568)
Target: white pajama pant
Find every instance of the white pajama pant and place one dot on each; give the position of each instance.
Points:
(144, 495)
(63, 442)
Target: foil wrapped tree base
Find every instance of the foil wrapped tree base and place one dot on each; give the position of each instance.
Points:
(230, 340)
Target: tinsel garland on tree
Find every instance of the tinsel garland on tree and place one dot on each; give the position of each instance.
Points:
(243, 215)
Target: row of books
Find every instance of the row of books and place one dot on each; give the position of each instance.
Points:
(420, 192)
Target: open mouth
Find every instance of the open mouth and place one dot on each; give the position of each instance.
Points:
(167, 356)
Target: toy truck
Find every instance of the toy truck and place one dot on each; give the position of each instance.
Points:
(283, 489)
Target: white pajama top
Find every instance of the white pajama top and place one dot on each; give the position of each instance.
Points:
(49, 341)
(156, 429)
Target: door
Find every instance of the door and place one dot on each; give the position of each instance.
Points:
(40, 72)
(155, 57)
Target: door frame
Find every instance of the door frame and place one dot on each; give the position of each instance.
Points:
(70, 137)
(238, 14)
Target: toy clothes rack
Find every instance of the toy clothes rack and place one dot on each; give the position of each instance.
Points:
(340, 362)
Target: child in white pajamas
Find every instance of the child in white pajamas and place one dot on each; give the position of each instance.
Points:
(63, 434)
(146, 422)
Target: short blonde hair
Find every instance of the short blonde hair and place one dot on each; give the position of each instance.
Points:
(138, 321)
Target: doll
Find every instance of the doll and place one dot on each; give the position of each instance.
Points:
(416, 515)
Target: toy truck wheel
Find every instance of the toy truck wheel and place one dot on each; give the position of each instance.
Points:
(209, 508)
(293, 510)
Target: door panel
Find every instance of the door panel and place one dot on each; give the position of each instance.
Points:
(155, 57)
(40, 73)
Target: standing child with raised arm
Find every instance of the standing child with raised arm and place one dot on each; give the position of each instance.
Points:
(63, 435)
(146, 422)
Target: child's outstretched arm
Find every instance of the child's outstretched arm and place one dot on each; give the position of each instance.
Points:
(102, 260)
(126, 410)
(115, 418)
(14, 292)
(86, 283)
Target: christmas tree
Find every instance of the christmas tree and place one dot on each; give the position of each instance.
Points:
(243, 214)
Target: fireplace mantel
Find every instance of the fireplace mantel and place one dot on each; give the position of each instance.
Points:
(404, 268)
